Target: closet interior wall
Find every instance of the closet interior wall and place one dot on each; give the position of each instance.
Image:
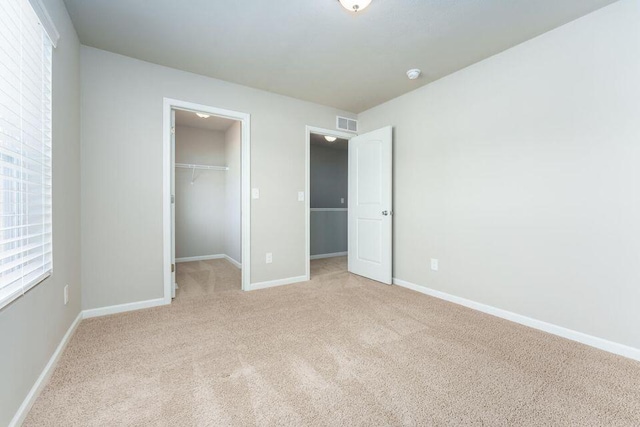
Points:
(208, 217)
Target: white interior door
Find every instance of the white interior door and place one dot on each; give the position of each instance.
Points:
(370, 205)
(173, 203)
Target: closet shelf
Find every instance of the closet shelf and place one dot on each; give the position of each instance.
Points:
(206, 167)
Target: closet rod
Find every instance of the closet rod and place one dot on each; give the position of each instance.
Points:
(207, 167)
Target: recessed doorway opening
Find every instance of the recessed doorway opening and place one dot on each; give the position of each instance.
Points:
(207, 189)
(206, 201)
(359, 223)
(327, 201)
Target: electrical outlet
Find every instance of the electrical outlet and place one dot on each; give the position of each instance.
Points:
(269, 258)
(342, 200)
(66, 294)
(434, 264)
(255, 193)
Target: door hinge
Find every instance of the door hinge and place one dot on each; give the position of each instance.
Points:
(173, 198)
(173, 268)
(173, 130)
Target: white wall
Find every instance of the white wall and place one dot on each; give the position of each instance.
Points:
(200, 213)
(33, 325)
(233, 192)
(122, 173)
(520, 174)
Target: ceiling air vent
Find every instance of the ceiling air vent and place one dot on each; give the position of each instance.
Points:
(345, 123)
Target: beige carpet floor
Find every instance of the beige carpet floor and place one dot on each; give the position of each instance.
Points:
(339, 350)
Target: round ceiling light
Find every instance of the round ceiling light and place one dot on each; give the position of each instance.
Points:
(330, 138)
(355, 5)
(203, 115)
(413, 73)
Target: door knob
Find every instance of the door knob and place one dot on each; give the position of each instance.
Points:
(385, 213)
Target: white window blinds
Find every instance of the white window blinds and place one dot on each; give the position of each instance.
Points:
(25, 150)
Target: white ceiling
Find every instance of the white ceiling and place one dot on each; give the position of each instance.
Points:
(314, 49)
(189, 118)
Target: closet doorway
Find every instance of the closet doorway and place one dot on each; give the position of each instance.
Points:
(206, 200)
(327, 204)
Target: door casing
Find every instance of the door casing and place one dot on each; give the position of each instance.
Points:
(307, 201)
(170, 104)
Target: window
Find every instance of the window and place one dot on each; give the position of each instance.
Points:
(25, 150)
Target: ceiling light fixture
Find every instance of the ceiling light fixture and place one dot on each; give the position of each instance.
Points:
(330, 138)
(203, 115)
(354, 5)
(414, 73)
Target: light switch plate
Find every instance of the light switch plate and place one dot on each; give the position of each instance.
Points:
(255, 193)
(66, 294)
(301, 196)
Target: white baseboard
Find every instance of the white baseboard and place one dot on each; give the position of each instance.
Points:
(121, 308)
(42, 380)
(335, 254)
(200, 258)
(279, 282)
(208, 257)
(233, 261)
(600, 343)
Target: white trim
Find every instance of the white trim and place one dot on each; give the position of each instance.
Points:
(46, 21)
(166, 199)
(590, 340)
(168, 104)
(42, 380)
(208, 257)
(246, 202)
(332, 255)
(329, 209)
(203, 167)
(278, 282)
(10, 293)
(199, 258)
(307, 186)
(233, 261)
(122, 308)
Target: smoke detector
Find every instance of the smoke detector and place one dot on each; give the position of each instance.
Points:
(414, 73)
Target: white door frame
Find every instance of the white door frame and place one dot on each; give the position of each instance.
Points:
(168, 105)
(307, 191)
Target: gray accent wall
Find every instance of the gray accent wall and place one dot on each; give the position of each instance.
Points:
(328, 184)
(328, 177)
(32, 326)
(328, 232)
(520, 174)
